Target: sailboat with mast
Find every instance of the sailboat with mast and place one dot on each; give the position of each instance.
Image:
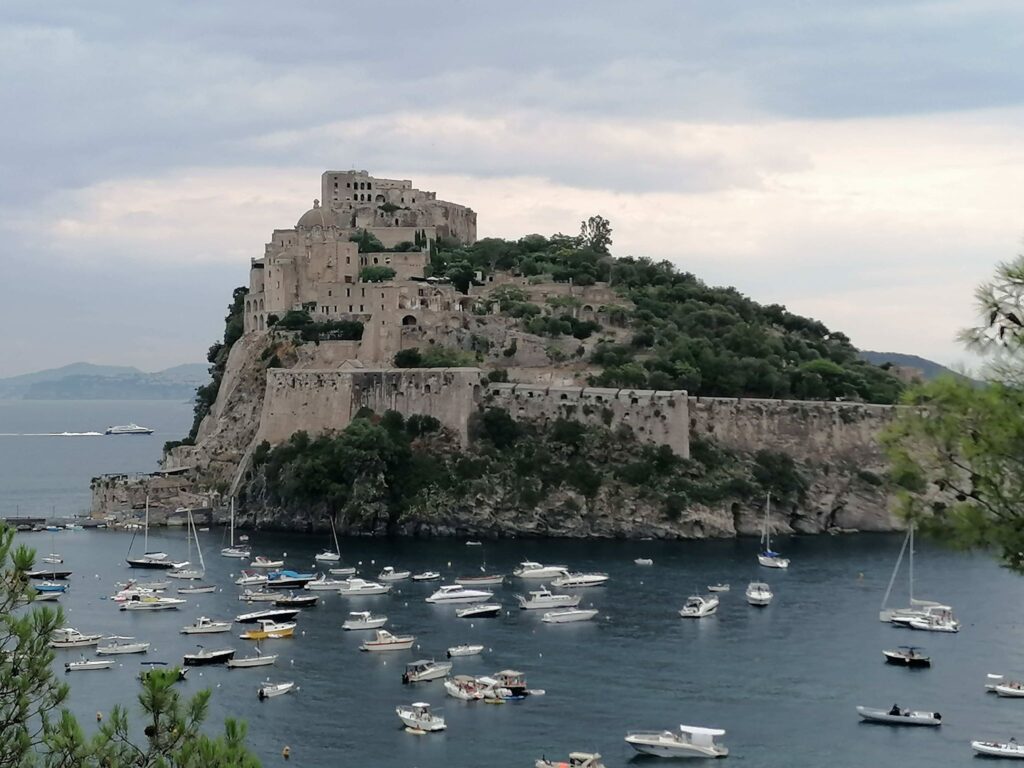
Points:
(768, 558)
(158, 560)
(233, 550)
(191, 573)
(331, 556)
(918, 609)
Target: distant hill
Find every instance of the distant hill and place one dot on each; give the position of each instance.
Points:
(85, 381)
(929, 368)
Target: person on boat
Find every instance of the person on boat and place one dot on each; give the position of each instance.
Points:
(895, 710)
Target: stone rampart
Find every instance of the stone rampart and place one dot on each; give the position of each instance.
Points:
(658, 417)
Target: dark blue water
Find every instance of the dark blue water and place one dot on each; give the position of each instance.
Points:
(784, 681)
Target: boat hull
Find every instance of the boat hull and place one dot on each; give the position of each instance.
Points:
(568, 617)
(252, 661)
(914, 718)
(674, 750)
(997, 749)
(215, 657)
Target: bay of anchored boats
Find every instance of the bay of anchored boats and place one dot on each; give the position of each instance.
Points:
(688, 741)
(697, 607)
(899, 716)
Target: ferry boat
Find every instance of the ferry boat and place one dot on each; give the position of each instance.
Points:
(128, 429)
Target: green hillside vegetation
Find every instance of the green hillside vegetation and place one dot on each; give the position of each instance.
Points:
(684, 334)
(386, 466)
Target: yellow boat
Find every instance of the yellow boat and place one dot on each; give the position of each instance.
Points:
(270, 630)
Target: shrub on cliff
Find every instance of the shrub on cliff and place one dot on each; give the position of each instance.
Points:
(433, 357)
(376, 274)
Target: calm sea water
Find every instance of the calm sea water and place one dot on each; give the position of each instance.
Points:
(783, 680)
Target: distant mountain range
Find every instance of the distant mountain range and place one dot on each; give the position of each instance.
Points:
(929, 368)
(85, 381)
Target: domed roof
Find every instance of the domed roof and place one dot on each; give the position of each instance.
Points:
(317, 216)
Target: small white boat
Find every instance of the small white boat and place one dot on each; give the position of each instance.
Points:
(767, 557)
(198, 589)
(935, 623)
(479, 611)
(759, 594)
(46, 596)
(360, 587)
(1009, 689)
(185, 574)
(69, 637)
(259, 660)
(456, 593)
(128, 429)
(545, 598)
(360, 620)
(86, 665)
(425, 670)
(418, 717)
(907, 656)
(323, 584)
(117, 645)
(576, 760)
(1010, 750)
(697, 607)
(569, 615)
(151, 603)
(463, 688)
(901, 617)
(205, 626)
(259, 596)
(53, 558)
(483, 580)
(385, 641)
(718, 588)
(531, 570)
(261, 561)
(898, 716)
(992, 681)
(689, 741)
(342, 571)
(251, 579)
(270, 690)
(426, 576)
(576, 580)
(465, 650)
(327, 556)
(390, 574)
(643, 561)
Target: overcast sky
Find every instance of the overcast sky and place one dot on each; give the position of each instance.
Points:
(860, 162)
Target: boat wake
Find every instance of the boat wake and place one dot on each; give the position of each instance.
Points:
(51, 434)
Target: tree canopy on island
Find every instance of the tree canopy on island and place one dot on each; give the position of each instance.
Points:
(958, 453)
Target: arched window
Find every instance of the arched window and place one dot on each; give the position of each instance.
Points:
(409, 320)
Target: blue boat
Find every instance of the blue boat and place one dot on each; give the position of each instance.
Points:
(49, 586)
(287, 579)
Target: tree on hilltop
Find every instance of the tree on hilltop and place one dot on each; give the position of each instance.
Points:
(958, 454)
(596, 233)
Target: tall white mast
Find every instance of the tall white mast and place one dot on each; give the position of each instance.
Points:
(232, 521)
(145, 547)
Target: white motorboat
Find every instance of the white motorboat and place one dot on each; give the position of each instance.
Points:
(935, 622)
(479, 611)
(759, 594)
(426, 576)
(992, 681)
(251, 578)
(360, 620)
(718, 588)
(206, 626)
(128, 429)
(456, 593)
(260, 561)
(425, 670)
(259, 660)
(86, 665)
(119, 645)
(576, 760)
(689, 741)
(151, 603)
(1009, 689)
(898, 716)
(53, 558)
(186, 574)
(330, 555)
(322, 584)
(259, 596)
(901, 617)
(507, 684)
(463, 688)
(531, 570)
(576, 580)
(483, 580)
(205, 657)
(697, 607)
(390, 574)
(1010, 750)
(270, 690)
(342, 571)
(69, 637)
(418, 717)
(569, 615)
(465, 650)
(360, 587)
(907, 656)
(385, 641)
(643, 561)
(235, 550)
(545, 598)
(917, 608)
(46, 596)
(767, 557)
(273, 614)
(198, 589)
